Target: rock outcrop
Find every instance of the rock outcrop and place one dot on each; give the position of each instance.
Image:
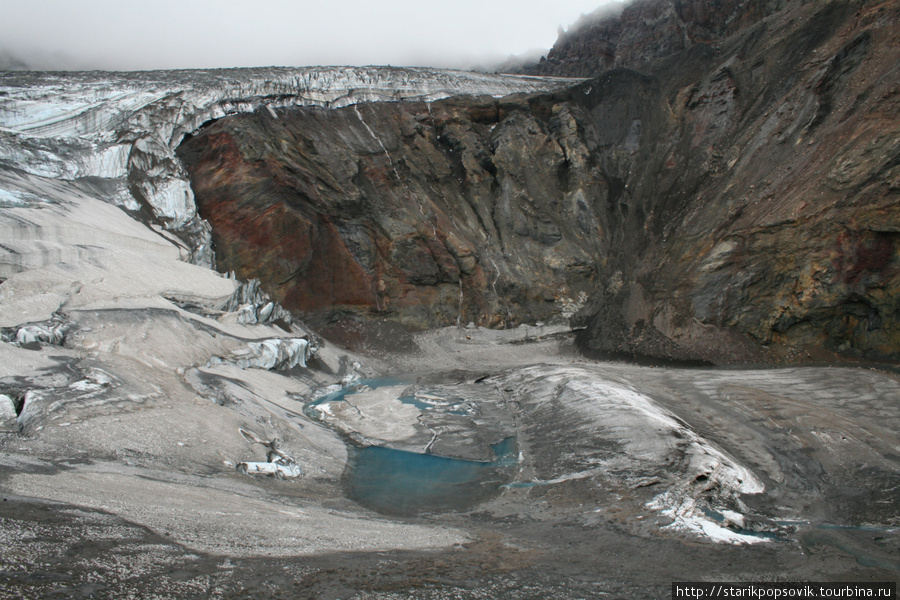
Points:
(730, 197)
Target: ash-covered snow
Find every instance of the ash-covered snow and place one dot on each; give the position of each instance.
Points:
(651, 446)
(110, 333)
(8, 421)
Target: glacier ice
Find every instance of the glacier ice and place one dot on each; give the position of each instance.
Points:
(7, 414)
(652, 446)
(271, 354)
(51, 332)
(249, 304)
(126, 126)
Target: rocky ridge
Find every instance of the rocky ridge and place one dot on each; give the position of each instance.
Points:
(639, 33)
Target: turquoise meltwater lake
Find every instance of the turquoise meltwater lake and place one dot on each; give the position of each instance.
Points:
(405, 483)
(398, 482)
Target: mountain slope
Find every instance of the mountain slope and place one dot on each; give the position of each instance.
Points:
(730, 201)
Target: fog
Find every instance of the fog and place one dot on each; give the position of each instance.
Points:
(171, 34)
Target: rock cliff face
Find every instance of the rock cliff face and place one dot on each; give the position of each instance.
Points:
(763, 197)
(733, 196)
(455, 211)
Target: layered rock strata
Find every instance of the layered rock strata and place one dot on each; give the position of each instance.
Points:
(761, 195)
(454, 211)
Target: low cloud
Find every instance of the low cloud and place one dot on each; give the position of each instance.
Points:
(170, 34)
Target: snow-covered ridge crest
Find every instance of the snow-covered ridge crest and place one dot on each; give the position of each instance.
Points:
(126, 126)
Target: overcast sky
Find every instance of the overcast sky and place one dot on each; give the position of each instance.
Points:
(168, 34)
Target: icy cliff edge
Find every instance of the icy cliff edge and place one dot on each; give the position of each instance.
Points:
(122, 128)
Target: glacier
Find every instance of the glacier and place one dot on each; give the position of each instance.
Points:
(123, 128)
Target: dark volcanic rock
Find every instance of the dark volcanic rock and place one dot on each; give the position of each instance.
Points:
(646, 31)
(457, 211)
(732, 197)
(766, 195)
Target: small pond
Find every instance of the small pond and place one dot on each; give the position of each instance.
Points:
(403, 483)
(397, 482)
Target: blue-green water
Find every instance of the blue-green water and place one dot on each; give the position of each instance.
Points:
(408, 483)
(349, 390)
(720, 518)
(398, 482)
